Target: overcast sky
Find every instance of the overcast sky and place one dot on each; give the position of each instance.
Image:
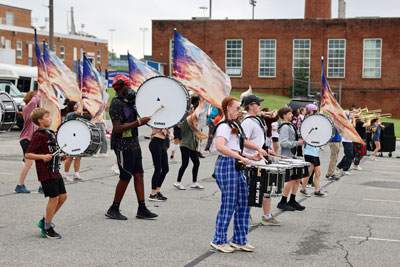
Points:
(127, 16)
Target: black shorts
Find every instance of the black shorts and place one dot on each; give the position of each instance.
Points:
(275, 139)
(177, 133)
(129, 162)
(24, 144)
(312, 160)
(53, 187)
(166, 142)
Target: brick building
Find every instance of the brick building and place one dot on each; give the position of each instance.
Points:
(360, 53)
(17, 33)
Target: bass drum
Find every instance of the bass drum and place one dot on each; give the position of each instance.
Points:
(8, 112)
(162, 91)
(317, 130)
(78, 138)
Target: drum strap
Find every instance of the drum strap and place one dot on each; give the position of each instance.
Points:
(261, 122)
(236, 125)
(54, 164)
(296, 132)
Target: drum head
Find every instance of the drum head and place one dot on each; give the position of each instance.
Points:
(164, 91)
(75, 134)
(317, 130)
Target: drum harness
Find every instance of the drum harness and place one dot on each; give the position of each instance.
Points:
(54, 164)
(233, 124)
(290, 124)
(263, 125)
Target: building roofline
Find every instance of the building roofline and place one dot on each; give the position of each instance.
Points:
(288, 19)
(62, 35)
(16, 7)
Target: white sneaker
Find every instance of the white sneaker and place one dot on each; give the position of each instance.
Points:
(77, 177)
(179, 186)
(115, 168)
(357, 167)
(372, 157)
(67, 177)
(173, 161)
(346, 173)
(197, 186)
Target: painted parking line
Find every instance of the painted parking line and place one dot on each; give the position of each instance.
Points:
(383, 172)
(382, 200)
(375, 239)
(377, 216)
(7, 173)
(381, 188)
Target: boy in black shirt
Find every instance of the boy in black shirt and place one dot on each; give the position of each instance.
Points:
(125, 143)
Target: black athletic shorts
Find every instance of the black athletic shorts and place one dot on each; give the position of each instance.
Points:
(177, 133)
(312, 160)
(275, 139)
(129, 162)
(53, 187)
(24, 144)
(166, 142)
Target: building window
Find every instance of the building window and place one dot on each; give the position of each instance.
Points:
(336, 58)
(234, 55)
(19, 49)
(372, 58)
(62, 53)
(98, 57)
(171, 57)
(9, 18)
(301, 58)
(267, 58)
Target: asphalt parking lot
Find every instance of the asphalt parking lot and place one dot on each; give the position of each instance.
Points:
(356, 224)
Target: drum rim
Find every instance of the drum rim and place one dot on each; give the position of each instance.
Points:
(187, 97)
(331, 122)
(4, 111)
(83, 154)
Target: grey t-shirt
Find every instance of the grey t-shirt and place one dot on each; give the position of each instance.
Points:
(287, 140)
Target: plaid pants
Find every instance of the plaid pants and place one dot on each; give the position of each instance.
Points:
(234, 202)
(359, 152)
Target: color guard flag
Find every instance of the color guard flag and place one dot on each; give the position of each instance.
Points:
(332, 107)
(196, 70)
(61, 76)
(139, 72)
(48, 98)
(92, 87)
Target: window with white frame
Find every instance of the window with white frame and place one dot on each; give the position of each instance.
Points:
(171, 56)
(301, 57)
(372, 58)
(267, 58)
(336, 58)
(98, 57)
(10, 18)
(62, 53)
(234, 54)
(19, 49)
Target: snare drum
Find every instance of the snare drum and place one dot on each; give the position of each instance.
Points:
(255, 180)
(8, 112)
(302, 164)
(289, 170)
(317, 130)
(78, 138)
(166, 91)
(275, 181)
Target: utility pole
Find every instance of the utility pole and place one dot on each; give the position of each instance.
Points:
(144, 31)
(112, 49)
(253, 3)
(51, 31)
(210, 7)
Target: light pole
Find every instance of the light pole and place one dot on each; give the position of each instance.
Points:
(253, 3)
(144, 30)
(112, 49)
(210, 7)
(204, 10)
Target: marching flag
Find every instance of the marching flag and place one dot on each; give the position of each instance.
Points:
(196, 70)
(92, 87)
(197, 117)
(139, 72)
(48, 98)
(332, 107)
(61, 76)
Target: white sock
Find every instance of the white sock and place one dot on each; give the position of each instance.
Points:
(175, 147)
(268, 216)
(77, 174)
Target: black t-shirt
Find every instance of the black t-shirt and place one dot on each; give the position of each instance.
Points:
(361, 130)
(122, 111)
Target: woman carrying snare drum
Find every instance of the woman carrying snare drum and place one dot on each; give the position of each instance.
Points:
(231, 182)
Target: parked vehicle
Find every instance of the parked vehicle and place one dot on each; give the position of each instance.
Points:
(298, 102)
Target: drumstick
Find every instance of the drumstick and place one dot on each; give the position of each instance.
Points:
(161, 107)
(58, 150)
(254, 163)
(312, 129)
(278, 157)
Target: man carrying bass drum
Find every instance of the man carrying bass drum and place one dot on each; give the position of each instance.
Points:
(125, 143)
